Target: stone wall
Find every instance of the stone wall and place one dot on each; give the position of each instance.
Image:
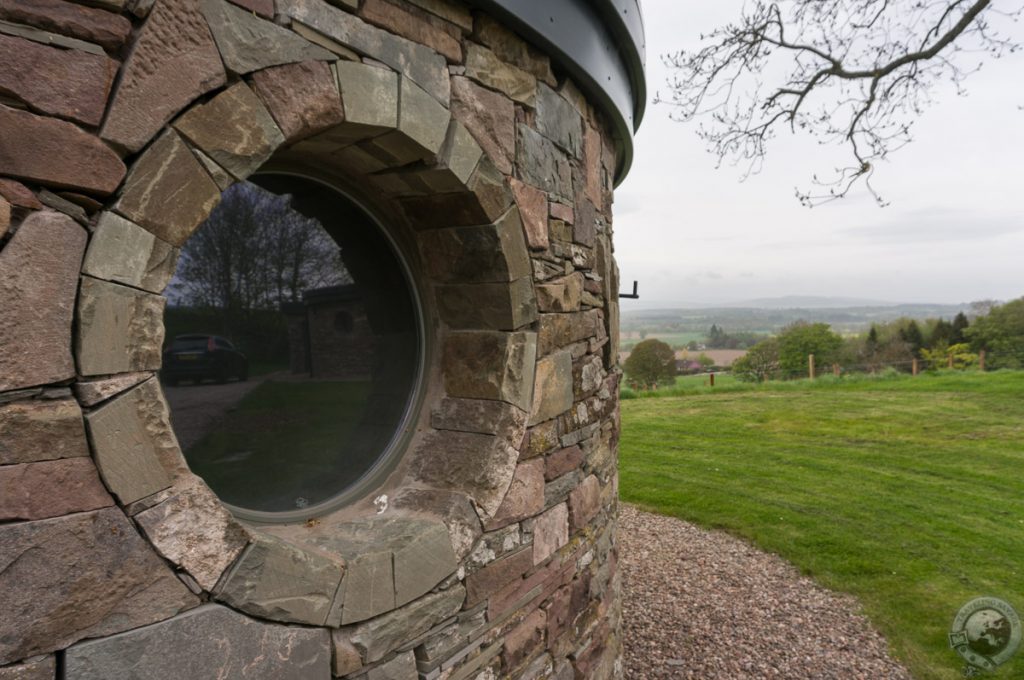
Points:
(490, 549)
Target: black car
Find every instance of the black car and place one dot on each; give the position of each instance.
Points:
(202, 357)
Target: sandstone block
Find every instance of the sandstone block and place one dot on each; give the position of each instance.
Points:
(482, 254)
(513, 49)
(483, 416)
(64, 83)
(422, 561)
(584, 503)
(451, 12)
(369, 586)
(524, 639)
(345, 656)
(484, 66)
(123, 252)
(379, 636)
(265, 8)
(533, 207)
(483, 583)
(41, 430)
(402, 667)
(541, 163)
(525, 496)
(234, 129)
(421, 118)
(50, 489)
(559, 121)
(592, 166)
(370, 95)
(562, 462)
(558, 490)
(561, 295)
(562, 330)
(491, 306)
(552, 390)
(18, 195)
(120, 329)
(207, 643)
(490, 118)
(173, 61)
(56, 153)
(454, 509)
(541, 438)
(38, 285)
(248, 43)
(490, 365)
(561, 211)
(84, 575)
(168, 192)
(303, 98)
(92, 392)
(275, 580)
(415, 27)
(44, 668)
(460, 153)
(550, 532)
(85, 23)
(424, 66)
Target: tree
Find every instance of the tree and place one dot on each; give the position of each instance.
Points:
(800, 339)
(856, 72)
(1001, 334)
(960, 324)
(760, 363)
(651, 362)
(911, 334)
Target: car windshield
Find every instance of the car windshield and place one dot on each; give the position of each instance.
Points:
(192, 344)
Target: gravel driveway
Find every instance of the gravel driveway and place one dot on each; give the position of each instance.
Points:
(702, 604)
(197, 408)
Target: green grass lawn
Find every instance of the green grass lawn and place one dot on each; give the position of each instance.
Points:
(906, 492)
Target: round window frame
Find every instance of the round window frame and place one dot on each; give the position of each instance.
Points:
(399, 444)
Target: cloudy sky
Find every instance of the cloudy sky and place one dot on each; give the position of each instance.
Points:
(954, 231)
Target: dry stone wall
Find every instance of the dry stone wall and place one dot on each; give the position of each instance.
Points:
(490, 551)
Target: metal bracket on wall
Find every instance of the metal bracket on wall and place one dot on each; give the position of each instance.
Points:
(634, 295)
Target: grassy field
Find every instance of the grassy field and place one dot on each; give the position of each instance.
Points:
(906, 492)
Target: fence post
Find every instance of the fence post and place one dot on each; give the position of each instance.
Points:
(712, 379)
(981, 360)
(810, 366)
(949, 364)
(835, 370)
(914, 367)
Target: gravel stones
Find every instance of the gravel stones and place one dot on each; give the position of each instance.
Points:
(38, 281)
(207, 643)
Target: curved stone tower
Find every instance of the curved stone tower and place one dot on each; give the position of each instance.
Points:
(484, 140)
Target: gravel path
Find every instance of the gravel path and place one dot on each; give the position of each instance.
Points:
(702, 604)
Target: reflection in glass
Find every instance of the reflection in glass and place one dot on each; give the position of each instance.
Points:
(293, 345)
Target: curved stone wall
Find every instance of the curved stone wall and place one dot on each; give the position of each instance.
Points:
(489, 550)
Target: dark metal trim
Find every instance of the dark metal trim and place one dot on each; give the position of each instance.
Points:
(600, 43)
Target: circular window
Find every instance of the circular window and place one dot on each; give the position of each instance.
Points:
(293, 348)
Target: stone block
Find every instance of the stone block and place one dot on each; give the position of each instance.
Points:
(523, 640)
(90, 24)
(490, 365)
(345, 657)
(369, 587)
(483, 416)
(489, 306)
(64, 83)
(370, 96)
(303, 98)
(584, 503)
(123, 252)
(562, 462)
(453, 508)
(550, 532)
(490, 118)
(120, 329)
(592, 186)
(56, 153)
(525, 496)
(323, 41)
(424, 66)
(43, 668)
(415, 26)
(248, 43)
(541, 163)
(168, 191)
(80, 576)
(265, 8)
(125, 453)
(50, 489)
(422, 561)
(483, 583)
(585, 228)
(92, 392)
(513, 49)
(421, 118)
(5, 217)
(276, 580)
(562, 330)
(377, 637)
(491, 189)
(38, 285)
(173, 61)
(559, 121)
(561, 295)
(552, 388)
(41, 430)
(460, 153)
(234, 129)
(194, 530)
(481, 254)
(402, 667)
(533, 207)
(480, 466)
(541, 438)
(561, 211)
(207, 643)
(485, 67)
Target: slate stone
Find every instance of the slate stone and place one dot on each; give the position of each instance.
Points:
(41, 430)
(562, 462)
(584, 503)
(64, 83)
(402, 667)
(120, 329)
(483, 416)
(550, 532)
(488, 306)
(460, 153)
(90, 24)
(124, 451)
(485, 67)
(37, 284)
(541, 163)
(561, 295)
(276, 580)
(56, 153)
(377, 637)
(370, 95)
(248, 43)
(436, 35)
(207, 643)
(559, 121)
(369, 587)
(123, 252)
(79, 576)
(422, 118)
(50, 489)
(168, 191)
(492, 191)
(453, 508)
(345, 657)
(173, 61)
(490, 365)
(422, 561)
(92, 392)
(523, 640)
(481, 254)
(511, 48)
(552, 390)
(478, 465)
(490, 118)
(424, 66)
(303, 98)
(533, 208)
(593, 185)
(525, 496)
(234, 129)
(44, 668)
(562, 330)
(483, 583)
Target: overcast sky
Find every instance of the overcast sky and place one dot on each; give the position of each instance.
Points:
(954, 231)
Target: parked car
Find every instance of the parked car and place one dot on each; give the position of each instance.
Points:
(202, 357)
